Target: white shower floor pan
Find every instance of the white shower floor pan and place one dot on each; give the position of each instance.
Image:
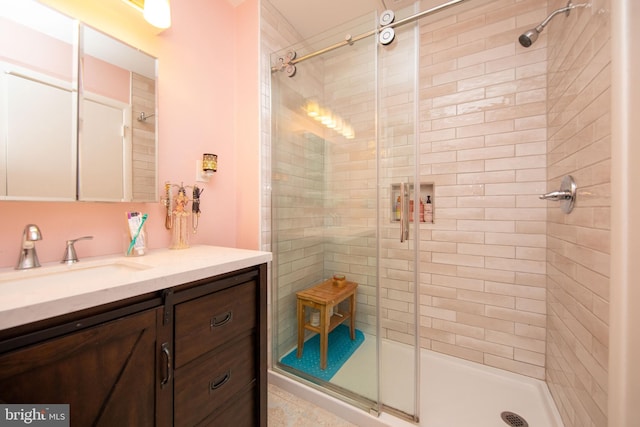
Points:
(454, 392)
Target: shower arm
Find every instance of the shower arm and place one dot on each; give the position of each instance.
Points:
(565, 9)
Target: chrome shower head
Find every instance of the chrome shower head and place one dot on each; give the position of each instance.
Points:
(529, 37)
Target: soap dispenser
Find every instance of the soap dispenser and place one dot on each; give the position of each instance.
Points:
(428, 210)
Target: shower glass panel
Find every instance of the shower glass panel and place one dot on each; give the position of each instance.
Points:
(342, 140)
(324, 209)
(397, 133)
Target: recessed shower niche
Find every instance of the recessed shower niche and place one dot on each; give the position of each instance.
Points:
(425, 204)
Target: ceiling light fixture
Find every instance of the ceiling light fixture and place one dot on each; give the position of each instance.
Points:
(157, 13)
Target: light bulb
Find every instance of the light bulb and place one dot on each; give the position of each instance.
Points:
(313, 109)
(157, 13)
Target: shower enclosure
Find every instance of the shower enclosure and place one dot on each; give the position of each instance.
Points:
(346, 200)
(505, 280)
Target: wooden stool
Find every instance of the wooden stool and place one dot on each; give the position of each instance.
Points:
(323, 297)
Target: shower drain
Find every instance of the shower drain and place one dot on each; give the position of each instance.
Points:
(514, 420)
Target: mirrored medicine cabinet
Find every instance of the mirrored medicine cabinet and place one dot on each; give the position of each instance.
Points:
(77, 111)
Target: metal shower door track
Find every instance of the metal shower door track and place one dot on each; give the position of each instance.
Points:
(349, 40)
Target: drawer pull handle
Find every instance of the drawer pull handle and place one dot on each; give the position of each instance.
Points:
(167, 354)
(226, 319)
(220, 381)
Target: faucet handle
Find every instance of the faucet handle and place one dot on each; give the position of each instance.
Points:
(70, 255)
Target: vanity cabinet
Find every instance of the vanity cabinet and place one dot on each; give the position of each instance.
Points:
(193, 354)
(103, 372)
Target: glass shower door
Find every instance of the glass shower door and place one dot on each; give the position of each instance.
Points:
(324, 212)
(343, 140)
(401, 217)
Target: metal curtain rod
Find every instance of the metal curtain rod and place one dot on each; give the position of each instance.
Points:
(423, 14)
(349, 40)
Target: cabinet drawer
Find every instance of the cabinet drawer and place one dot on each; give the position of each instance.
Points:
(203, 387)
(242, 411)
(209, 321)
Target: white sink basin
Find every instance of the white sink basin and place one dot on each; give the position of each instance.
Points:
(75, 272)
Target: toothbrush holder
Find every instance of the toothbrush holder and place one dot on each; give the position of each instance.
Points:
(141, 245)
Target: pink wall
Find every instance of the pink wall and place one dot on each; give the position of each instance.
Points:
(197, 95)
(247, 128)
(196, 109)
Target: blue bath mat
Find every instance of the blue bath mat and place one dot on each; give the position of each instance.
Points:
(340, 348)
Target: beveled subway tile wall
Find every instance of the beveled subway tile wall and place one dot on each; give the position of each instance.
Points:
(483, 145)
(143, 98)
(350, 224)
(578, 244)
(482, 123)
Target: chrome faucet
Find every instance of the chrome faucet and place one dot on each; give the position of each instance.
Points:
(28, 256)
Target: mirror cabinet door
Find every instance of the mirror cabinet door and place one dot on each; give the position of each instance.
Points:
(38, 103)
(117, 151)
(77, 111)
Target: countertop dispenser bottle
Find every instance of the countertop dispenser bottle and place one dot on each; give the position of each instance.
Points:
(428, 210)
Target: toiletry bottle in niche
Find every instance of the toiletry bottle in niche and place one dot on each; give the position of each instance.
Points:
(428, 210)
(421, 210)
(397, 209)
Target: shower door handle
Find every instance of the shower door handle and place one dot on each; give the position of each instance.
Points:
(404, 212)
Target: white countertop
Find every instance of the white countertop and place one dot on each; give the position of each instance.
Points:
(54, 289)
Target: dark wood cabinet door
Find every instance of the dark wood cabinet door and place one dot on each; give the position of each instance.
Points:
(107, 374)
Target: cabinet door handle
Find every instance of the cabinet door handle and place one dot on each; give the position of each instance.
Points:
(226, 319)
(167, 354)
(220, 381)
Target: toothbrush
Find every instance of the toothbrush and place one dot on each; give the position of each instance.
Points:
(135, 236)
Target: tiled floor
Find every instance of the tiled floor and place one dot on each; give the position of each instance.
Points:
(287, 410)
